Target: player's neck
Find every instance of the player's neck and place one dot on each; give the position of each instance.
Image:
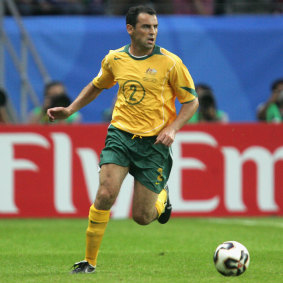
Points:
(137, 52)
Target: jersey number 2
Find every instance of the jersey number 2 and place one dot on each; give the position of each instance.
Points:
(134, 89)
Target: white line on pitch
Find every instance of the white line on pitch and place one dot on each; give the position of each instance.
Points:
(246, 222)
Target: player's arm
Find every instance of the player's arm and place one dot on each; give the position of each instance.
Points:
(88, 94)
(167, 135)
(183, 86)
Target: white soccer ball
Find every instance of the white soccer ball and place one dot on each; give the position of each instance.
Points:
(231, 258)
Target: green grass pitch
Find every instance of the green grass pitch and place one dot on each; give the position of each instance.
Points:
(43, 250)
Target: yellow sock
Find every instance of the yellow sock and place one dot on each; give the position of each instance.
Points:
(97, 222)
(160, 203)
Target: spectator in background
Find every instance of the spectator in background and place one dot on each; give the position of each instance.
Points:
(277, 7)
(121, 7)
(55, 95)
(58, 7)
(107, 112)
(3, 102)
(94, 6)
(194, 7)
(25, 6)
(36, 7)
(272, 110)
(244, 6)
(114, 7)
(207, 111)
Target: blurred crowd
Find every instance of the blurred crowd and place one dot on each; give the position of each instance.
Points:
(55, 95)
(111, 7)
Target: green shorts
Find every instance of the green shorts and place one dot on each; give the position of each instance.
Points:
(148, 163)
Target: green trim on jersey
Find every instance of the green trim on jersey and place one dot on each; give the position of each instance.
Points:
(156, 51)
(190, 90)
(188, 101)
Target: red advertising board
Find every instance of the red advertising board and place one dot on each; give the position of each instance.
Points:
(219, 170)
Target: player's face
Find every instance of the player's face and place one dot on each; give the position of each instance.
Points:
(52, 92)
(279, 87)
(55, 90)
(279, 94)
(144, 34)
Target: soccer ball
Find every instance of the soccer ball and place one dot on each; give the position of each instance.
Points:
(231, 258)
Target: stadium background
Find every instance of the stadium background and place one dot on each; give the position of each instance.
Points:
(228, 175)
(238, 55)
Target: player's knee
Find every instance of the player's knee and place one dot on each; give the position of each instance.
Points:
(105, 198)
(142, 219)
(105, 194)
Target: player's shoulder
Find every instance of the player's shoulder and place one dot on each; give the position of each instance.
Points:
(116, 53)
(170, 55)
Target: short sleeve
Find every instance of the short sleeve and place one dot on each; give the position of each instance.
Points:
(182, 83)
(105, 77)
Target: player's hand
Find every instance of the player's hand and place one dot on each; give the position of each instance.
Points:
(166, 136)
(58, 113)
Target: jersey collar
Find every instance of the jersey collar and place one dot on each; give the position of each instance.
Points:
(156, 50)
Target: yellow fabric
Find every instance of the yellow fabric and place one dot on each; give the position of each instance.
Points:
(160, 203)
(97, 215)
(148, 87)
(98, 220)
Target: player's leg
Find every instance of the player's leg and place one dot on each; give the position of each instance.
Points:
(110, 180)
(111, 177)
(148, 205)
(151, 172)
(143, 209)
(164, 215)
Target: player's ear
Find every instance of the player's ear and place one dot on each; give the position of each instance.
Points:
(130, 29)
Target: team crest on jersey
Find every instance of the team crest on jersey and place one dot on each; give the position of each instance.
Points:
(151, 71)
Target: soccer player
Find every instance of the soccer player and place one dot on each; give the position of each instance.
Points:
(143, 127)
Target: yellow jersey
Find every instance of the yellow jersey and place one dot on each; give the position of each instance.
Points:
(148, 87)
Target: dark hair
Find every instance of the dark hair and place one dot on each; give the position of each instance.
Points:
(275, 84)
(3, 98)
(203, 86)
(207, 104)
(50, 85)
(61, 100)
(207, 100)
(133, 12)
